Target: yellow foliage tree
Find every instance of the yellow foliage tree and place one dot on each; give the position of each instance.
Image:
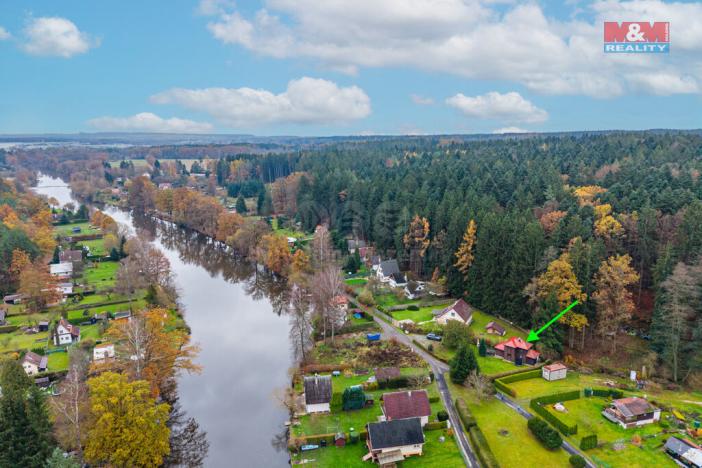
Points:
(464, 254)
(277, 253)
(128, 427)
(559, 279)
(586, 194)
(227, 225)
(416, 240)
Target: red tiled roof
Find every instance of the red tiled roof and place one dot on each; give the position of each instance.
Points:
(532, 354)
(410, 404)
(556, 366)
(515, 342)
(341, 300)
(461, 308)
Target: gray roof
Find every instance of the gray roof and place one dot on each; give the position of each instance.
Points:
(389, 267)
(395, 433)
(71, 256)
(318, 389)
(633, 406)
(676, 446)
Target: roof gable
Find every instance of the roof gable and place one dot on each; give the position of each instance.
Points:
(389, 267)
(318, 389)
(395, 433)
(461, 307)
(409, 404)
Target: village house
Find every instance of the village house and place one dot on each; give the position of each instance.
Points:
(66, 333)
(555, 371)
(43, 325)
(632, 412)
(165, 186)
(404, 405)
(459, 310)
(63, 270)
(65, 288)
(32, 363)
(12, 299)
(494, 328)
(684, 451)
(375, 262)
(341, 302)
(103, 352)
(122, 315)
(354, 244)
(386, 270)
(73, 256)
(414, 290)
(518, 351)
(318, 393)
(389, 442)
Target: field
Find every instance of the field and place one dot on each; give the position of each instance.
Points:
(488, 365)
(96, 246)
(101, 275)
(66, 229)
(424, 314)
(481, 319)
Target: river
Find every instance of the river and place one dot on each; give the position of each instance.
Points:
(234, 312)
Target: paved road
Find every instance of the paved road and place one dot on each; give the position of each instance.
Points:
(515, 406)
(439, 368)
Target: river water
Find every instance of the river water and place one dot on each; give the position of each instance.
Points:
(235, 314)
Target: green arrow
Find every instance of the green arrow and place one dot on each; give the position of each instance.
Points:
(534, 335)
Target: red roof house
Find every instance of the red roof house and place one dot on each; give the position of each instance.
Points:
(410, 404)
(517, 351)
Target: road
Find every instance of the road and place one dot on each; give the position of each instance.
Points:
(515, 406)
(439, 368)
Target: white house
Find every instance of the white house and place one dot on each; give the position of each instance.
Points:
(318, 393)
(459, 311)
(103, 351)
(386, 270)
(63, 270)
(389, 442)
(414, 289)
(341, 302)
(632, 412)
(65, 288)
(32, 363)
(66, 333)
(555, 371)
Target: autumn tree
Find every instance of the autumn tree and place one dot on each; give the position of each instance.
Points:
(327, 285)
(142, 193)
(38, 286)
(227, 225)
(277, 253)
(128, 426)
(416, 240)
(300, 267)
(614, 301)
(464, 254)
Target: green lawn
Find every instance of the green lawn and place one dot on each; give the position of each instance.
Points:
(507, 434)
(480, 319)
(356, 281)
(97, 246)
(58, 361)
(424, 314)
(389, 299)
(101, 275)
(90, 332)
(18, 341)
(67, 229)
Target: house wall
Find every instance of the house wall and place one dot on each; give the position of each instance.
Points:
(451, 315)
(30, 369)
(406, 450)
(555, 375)
(318, 408)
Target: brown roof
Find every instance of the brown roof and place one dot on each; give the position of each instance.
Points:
(633, 406)
(533, 354)
(386, 373)
(402, 405)
(37, 360)
(556, 366)
(71, 256)
(461, 308)
(72, 329)
(495, 326)
(318, 389)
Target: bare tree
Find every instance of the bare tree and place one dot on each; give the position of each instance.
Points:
(480, 385)
(71, 406)
(300, 323)
(327, 286)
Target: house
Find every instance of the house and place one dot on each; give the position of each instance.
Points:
(389, 442)
(341, 302)
(494, 328)
(66, 289)
(3, 314)
(42, 382)
(122, 315)
(686, 452)
(103, 351)
(632, 412)
(383, 374)
(409, 404)
(12, 299)
(73, 256)
(518, 351)
(43, 325)
(355, 244)
(165, 186)
(414, 289)
(66, 333)
(63, 270)
(397, 280)
(318, 393)
(375, 262)
(459, 310)
(340, 439)
(32, 363)
(386, 269)
(555, 371)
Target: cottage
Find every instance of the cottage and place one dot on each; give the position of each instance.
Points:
(386, 270)
(375, 262)
(165, 186)
(459, 311)
(341, 302)
(397, 280)
(409, 404)
(66, 333)
(414, 290)
(73, 256)
(318, 393)
(392, 441)
(494, 328)
(518, 351)
(555, 371)
(32, 363)
(384, 374)
(122, 315)
(63, 270)
(43, 325)
(66, 289)
(353, 245)
(686, 452)
(13, 299)
(103, 352)
(631, 412)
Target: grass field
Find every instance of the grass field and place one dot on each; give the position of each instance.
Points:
(488, 365)
(356, 281)
(481, 319)
(58, 361)
(424, 314)
(96, 246)
(101, 275)
(67, 229)
(18, 340)
(389, 299)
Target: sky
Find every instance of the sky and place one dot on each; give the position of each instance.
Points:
(342, 67)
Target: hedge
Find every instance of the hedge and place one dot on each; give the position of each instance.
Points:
(530, 374)
(8, 328)
(607, 392)
(577, 461)
(545, 433)
(434, 399)
(502, 375)
(482, 449)
(435, 425)
(442, 415)
(464, 413)
(504, 388)
(323, 368)
(336, 400)
(536, 405)
(395, 382)
(588, 442)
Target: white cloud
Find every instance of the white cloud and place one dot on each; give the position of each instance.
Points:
(4, 34)
(53, 36)
(213, 7)
(305, 101)
(421, 100)
(475, 39)
(508, 107)
(509, 130)
(148, 122)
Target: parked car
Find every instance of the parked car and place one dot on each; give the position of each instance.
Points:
(433, 337)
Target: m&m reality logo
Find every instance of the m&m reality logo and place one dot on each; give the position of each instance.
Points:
(639, 37)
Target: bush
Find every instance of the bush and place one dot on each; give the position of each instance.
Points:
(530, 374)
(431, 347)
(577, 461)
(548, 436)
(434, 425)
(365, 297)
(337, 400)
(413, 307)
(395, 382)
(442, 415)
(464, 413)
(434, 399)
(588, 442)
(504, 388)
(8, 328)
(455, 334)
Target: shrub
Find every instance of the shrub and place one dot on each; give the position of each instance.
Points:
(8, 328)
(434, 425)
(395, 382)
(482, 449)
(577, 461)
(504, 388)
(464, 413)
(607, 392)
(365, 297)
(536, 405)
(442, 415)
(588, 442)
(431, 347)
(413, 307)
(455, 334)
(548, 436)
(530, 374)
(434, 399)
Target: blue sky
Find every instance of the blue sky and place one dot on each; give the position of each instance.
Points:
(341, 67)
